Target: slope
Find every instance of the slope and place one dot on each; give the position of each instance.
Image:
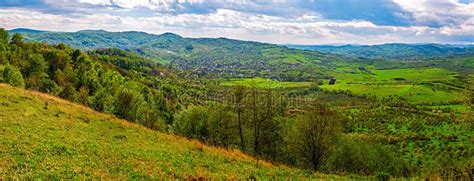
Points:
(43, 136)
(392, 51)
(217, 56)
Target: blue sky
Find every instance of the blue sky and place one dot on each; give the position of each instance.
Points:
(274, 21)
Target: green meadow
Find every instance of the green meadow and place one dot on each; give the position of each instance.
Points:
(416, 86)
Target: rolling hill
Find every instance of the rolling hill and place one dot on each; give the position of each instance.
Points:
(398, 118)
(25, 30)
(203, 56)
(393, 51)
(54, 139)
(227, 58)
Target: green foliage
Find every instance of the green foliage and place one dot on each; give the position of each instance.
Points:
(396, 117)
(223, 128)
(358, 156)
(17, 39)
(192, 123)
(69, 141)
(264, 83)
(202, 56)
(109, 80)
(3, 40)
(317, 131)
(12, 76)
(129, 104)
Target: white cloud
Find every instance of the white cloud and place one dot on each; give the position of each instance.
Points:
(310, 28)
(438, 12)
(96, 2)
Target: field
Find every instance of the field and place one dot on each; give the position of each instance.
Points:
(264, 83)
(53, 139)
(416, 86)
(371, 75)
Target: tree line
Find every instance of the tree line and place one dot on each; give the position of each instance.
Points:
(110, 80)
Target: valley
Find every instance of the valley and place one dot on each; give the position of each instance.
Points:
(174, 107)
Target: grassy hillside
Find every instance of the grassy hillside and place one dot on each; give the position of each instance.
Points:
(43, 136)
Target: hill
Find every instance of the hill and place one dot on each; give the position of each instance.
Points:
(227, 58)
(393, 51)
(47, 137)
(203, 56)
(25, 30)
(378, 118)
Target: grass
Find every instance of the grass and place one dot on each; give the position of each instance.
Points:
(416, 94)
(458, 108)
(412, 84)
(264, 83)
(162, 61)
(46, 137)
(351, 75)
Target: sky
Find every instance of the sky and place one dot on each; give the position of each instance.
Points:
(272, 21)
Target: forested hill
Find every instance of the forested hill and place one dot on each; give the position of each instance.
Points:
(227, 58)
(394, 51)
(219, 56)
(94, 39)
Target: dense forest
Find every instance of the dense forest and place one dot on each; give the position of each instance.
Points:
(311, 128)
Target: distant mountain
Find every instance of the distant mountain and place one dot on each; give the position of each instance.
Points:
(25, 30)
(393, 51)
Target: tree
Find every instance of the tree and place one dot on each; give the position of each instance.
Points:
(17, 39)
(12, 76)
(239, 107)
(36, 72)
(270, 136)
(317, 131)
(3, 40)
(255, 120)
(129, 104)
(222, 127)
(69, 93)
(263, 121)
(468, 98)
(192, 123)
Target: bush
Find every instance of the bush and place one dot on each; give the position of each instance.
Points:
(362, 157)
(382, 176)
(192, 123)
(12, 76)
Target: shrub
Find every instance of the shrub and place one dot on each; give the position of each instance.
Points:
(12, 76)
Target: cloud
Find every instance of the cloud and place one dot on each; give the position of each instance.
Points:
(316, 22)
(438, 13)
(378, 12)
